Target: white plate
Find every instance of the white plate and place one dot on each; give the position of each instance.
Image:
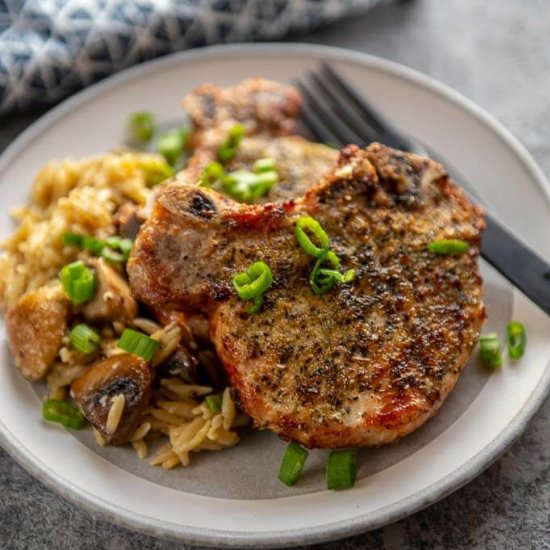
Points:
(233, 498)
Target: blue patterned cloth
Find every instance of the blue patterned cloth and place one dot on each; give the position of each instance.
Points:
(51, 48)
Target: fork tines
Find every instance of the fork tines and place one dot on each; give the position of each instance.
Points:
(334, 112)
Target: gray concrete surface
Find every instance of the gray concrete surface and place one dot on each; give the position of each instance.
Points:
(498, 54)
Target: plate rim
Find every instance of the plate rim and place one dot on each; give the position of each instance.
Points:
(429, 495)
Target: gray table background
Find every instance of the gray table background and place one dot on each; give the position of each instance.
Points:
(498, 54)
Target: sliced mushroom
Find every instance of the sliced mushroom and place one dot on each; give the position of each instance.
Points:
(129, 219)
(101, 387)
(180, 364)
(112, 301)
(35, 325)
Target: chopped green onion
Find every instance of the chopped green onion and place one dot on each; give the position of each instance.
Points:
(92, 244)
(141, 127)
(245, 186)
(323, 279)
(312, 225)
(322, 282)
(56, 410)
(453, 247)
(212, 174)
(264, 165)
(79, 282)
(489, 350)
(157, 171)
(139, 344)
(252, 283)
(72, 239)
(84, 339)
(292, 464)
(516, 339)
(257, 305)
(172, 143)
(341, 469)
(112, 256)
(124, 245)
(113, 249)
(228, 149)
(214, 402)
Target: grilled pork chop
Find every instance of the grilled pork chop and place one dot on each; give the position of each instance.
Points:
(365, 363)
(268, 111)
(261, 106)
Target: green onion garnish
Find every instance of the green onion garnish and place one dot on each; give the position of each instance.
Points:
(124, 245)
(84, 339)
(212, 175)
(79, 282)
(453, 247)
(323, 279)
(214, 402)
(113, 249)
(92, 244)
(228, 149)
(489, 350)
(245, 186)
(516, 338)
(264, 165)
(292, 464)
(313, 226)
(141, 127)
(252, 283)
(341, 469)
(56, 410)
(72, 239)
(112, 256)
(157, 171)
(172, 143)
(139, 344)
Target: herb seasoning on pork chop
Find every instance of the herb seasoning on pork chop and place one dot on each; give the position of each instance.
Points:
(363, 364)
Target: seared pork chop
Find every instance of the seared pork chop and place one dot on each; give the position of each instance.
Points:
(261, 106)
(365, 363)
(268, 111)
(300, 163)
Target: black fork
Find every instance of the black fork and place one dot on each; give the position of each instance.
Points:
(335, 113)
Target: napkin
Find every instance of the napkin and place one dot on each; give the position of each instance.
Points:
(51, 48)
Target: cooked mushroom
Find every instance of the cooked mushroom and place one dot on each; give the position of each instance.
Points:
(35, 325)
(113, 301)
(113, 393)
(180, 364)
(129, 219)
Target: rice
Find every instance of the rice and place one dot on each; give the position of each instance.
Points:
(82, 197)
(190, 426)
(68, 196)
(169, 339)
(115, 413)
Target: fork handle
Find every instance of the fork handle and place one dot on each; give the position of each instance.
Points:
(517, 262)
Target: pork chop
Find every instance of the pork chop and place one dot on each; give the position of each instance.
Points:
(364, 364)
(261, 106)
(268, 111)
(299, 163)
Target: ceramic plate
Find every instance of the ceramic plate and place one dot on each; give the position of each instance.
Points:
(234, 498)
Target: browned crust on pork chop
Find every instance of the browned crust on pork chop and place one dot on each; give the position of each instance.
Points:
(367, 362)
(260, 105)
